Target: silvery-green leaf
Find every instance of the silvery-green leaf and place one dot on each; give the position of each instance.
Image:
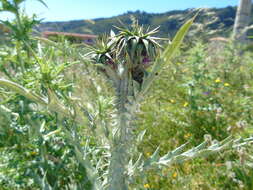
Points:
(140, 136)
(112, 34)
(175, 152)
(152, 159)
(166, 56)
(22, 91)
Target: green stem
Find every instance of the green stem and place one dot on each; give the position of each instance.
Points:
(19, 57)
(122, 139)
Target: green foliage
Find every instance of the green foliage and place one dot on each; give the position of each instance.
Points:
(207, 91)
(21, 27)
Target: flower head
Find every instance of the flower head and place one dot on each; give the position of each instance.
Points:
(217, 80)
(146, 185)
(172, 101)
(187, 135)
(148, 154)
(174, 175)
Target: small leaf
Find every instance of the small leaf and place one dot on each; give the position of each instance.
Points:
(112, 34)
(141, 135)
(152, 159)
(146, 44)
(42, 2)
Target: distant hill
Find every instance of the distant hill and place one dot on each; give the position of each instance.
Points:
(210, 22)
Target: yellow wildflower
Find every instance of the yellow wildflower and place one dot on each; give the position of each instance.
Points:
(146, 185)
(148, 154)
(186, 136)
(174, 175)
(186, 104)
(226, 84)
(218, 80)
(34, 153)
(172, 101)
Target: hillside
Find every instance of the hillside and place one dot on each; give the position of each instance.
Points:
(210, 22)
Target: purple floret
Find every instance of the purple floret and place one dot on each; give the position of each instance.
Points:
(110, 62)
(207, 93)
(146, 60)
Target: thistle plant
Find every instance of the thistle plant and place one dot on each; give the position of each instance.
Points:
(131, 61)
(22, 25)
(125, 58)
(20, 28)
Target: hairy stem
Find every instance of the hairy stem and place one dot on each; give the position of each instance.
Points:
(121, 144)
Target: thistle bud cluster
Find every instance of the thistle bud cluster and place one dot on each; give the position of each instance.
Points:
(134, 50)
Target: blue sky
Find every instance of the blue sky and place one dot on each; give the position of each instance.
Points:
(64, 10)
